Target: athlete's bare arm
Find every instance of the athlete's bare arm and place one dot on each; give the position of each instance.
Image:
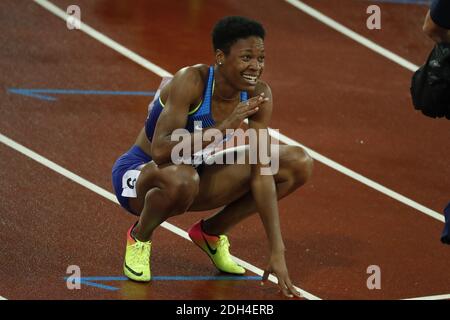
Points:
(264, 192)
(186, 89)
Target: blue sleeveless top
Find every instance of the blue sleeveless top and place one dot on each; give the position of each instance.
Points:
(201, 113)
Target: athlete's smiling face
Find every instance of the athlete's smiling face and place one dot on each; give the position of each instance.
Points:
(244, 64)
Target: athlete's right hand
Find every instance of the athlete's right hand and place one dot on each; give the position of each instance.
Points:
(244, 110)
(277, 266)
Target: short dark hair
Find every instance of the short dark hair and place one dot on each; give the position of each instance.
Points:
(230, 29)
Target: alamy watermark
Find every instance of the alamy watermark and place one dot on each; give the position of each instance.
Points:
(374, 281)
(262, 147)
(73, 21)
(74, 280)
(374, 20)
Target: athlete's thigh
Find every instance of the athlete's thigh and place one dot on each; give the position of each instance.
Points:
(221, 184)
(162, 176)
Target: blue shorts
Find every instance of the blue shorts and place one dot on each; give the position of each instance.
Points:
(124, 175)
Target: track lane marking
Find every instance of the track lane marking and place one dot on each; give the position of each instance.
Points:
(328, 21)
(353, 35)
(281, 137)
(108, 195)
(106, 40)
(436, 297)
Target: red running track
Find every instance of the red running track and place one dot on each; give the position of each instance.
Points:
(331, 94)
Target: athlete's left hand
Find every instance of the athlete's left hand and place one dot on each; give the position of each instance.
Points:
(277, 266)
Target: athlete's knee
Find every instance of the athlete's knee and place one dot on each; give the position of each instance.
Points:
(300, 165)
(183, 186)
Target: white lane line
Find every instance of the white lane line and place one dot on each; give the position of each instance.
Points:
(108, 195)
(437, 297)
(354, 175)
(317, 156)
(353, 35)
(106, 40)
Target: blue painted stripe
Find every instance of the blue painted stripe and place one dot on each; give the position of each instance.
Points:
(31, 94)
(88, 281)
(207, 278)
(73, 91)
(98, 285)
(102, 278)
(177, 278)
(38, 93)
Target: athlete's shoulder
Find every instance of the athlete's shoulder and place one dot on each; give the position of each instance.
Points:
(194, 74)
(187, 85)
(192, 78)
(261, 87)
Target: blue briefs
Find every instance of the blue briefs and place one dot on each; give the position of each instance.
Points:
(125, 174)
